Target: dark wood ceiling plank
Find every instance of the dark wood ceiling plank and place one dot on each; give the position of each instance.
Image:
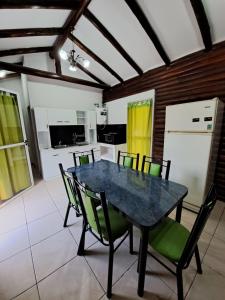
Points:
(91, 74)
(58, 67)
(203, 23)
(39, 73)
(139, 14)
(94, 21)
(69, 25)
(26, 32)
(94, 56)
(53, 4)
(20, 51)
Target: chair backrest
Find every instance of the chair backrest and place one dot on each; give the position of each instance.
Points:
(154, 166)
(128, 159)
(90, 203)
(84, 157)
(198, 227)
(70, 188)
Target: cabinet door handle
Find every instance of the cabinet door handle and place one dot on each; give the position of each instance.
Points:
(55, 155)
(59, 121)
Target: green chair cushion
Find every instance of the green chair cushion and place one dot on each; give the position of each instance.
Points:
(84, 159)
(155, 169)
(119, 225)
(169, 239)
(128, 162)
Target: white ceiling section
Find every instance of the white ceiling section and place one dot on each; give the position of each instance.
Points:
(215, 10)
(26, 42)
(173, 25)
(94, 40)
(95, 68)
(32, 18)
(124, 26)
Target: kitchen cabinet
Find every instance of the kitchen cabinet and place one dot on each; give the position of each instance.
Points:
(41, 119)
(110, 152)
(91, 119)
(62, 117)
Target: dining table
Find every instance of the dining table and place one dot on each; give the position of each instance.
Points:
(143, 199)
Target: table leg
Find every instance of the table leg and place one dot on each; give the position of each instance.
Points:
(179, 211)
(142, 261)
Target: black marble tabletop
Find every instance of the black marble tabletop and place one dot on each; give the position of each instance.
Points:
(144, 199)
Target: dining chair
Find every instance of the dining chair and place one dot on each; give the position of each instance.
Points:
(71, 194)
(105, 223)
(84, 157)
(155, 166)
(177, 244)
(128, 159)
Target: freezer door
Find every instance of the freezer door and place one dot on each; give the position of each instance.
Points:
(193, 116)
(189, 155)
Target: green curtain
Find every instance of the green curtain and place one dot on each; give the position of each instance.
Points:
(14, 172)
(139, 128)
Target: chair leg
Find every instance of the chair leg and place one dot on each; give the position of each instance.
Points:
(131, 240)
(198, 260)
(67, 215)
(180, 291)
(110, 272)
(80, 250)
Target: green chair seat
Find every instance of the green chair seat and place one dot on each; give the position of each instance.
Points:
(119, 225)
(169, 239)
(155, 169)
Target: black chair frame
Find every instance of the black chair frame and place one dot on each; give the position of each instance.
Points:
(78, 154)
(163, 163)
(127, 154)
(100, 196)
(191, 246)
(70, 182)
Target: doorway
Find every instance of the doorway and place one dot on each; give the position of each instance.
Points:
(15, 168)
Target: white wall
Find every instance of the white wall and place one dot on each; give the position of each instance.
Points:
(58, 96)
(117, 109)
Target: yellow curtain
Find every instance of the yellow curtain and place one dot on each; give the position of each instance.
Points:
(139, 128)
(14, 172)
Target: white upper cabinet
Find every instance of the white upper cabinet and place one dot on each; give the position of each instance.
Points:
(62, 117)
(91, 119)
(41, 119)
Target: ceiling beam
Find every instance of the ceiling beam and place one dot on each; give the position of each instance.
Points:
(39, 73)
(203, 23)
(53, 4)
(94, 56)
(58, 67)
(20, 51)
(69, 26)
(139, 14)
(26, 32)
(90, 74)
(10, 75)
(112, 40)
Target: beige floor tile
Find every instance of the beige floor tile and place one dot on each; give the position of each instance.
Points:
(16, 275)
(38, 203)
(220, 231)
(13, 242)
(56, 187)
(45, 227)
(97, 257)
(126, 287)
(53, 252)
(76, 230)
(73, 281)
(210, 285)
(31, 294)
(12, 215)
(215, 256)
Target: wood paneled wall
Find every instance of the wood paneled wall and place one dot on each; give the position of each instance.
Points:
(198, 76)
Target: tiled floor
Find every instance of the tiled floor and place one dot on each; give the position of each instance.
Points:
(38, 256)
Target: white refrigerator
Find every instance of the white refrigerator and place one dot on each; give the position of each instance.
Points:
(192, 135)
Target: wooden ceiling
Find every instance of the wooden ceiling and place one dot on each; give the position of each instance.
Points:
(121, 38)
